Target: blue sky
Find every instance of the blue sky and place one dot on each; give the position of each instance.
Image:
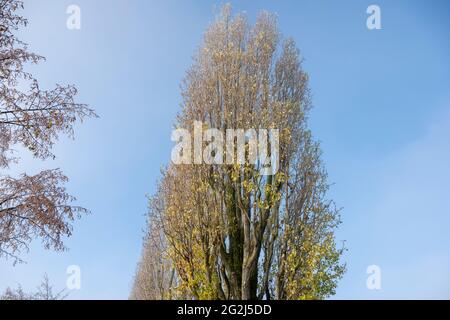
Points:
(381, 110)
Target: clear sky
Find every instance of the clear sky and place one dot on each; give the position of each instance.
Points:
(381, 109)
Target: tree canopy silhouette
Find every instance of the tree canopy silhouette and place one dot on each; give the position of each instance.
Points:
(37, 205)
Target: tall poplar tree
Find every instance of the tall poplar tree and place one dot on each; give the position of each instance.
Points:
(228, 231)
